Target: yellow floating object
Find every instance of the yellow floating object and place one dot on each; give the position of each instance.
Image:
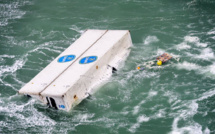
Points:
(159, 63)
(138, 68)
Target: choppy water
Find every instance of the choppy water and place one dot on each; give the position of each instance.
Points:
(175, 99)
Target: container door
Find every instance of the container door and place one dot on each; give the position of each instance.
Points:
(51, 102)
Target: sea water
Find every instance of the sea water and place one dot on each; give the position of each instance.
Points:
(174, 99)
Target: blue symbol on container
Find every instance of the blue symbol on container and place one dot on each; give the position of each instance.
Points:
(88, 59)
(61, 106)
(66, 58)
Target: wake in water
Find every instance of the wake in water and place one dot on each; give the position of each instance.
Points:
(10, 11)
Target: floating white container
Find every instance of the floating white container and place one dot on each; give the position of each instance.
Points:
(91, 59)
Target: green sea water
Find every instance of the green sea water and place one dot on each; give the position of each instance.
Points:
(174, 99)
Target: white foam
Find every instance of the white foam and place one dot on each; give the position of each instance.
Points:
(37, 119)
(136, 110)
(160, 114)
(206, 95)
(143, 118)
(152, 93)
(172, 97)
(206, 131)
(84, 117)
(183, 46)
(3, 124)
(75, 28)
(18, 81)
(4, 22)
(175, 124)
(33, 119)
(203, 54)
(52, 50)
(193, 108)
(2, 57)
(9, 12)
(7, 56)
(206, 54)
(198, 44)
(185, 112)
(9, 85)
(44, 46)
(191, 39)
(212, 68)
(188, 110)
(150, 39)
(192, 129)
(191, 25)
(11, 69)
(188, 66)
(211, 32)
(140, 119)
(160, 51)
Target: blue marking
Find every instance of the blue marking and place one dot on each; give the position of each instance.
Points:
(66, 58)
(88, 59)
(61, 106)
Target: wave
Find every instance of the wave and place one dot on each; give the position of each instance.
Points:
(33, 118)
(11, 11)
(11, 69)
(150, 39)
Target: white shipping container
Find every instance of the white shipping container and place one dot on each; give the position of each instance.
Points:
(43, 79)
(89, 69)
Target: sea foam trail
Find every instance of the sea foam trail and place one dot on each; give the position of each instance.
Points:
(10, 12)
(140, 119)
(16, 112)
(207, 71)
(183, 46)
(11, 69)
(150, 39)
(206, 54)
(77, 29)
(188, 66)
(191, 126)
(211, 32)
(191, 42)
(185, 111)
